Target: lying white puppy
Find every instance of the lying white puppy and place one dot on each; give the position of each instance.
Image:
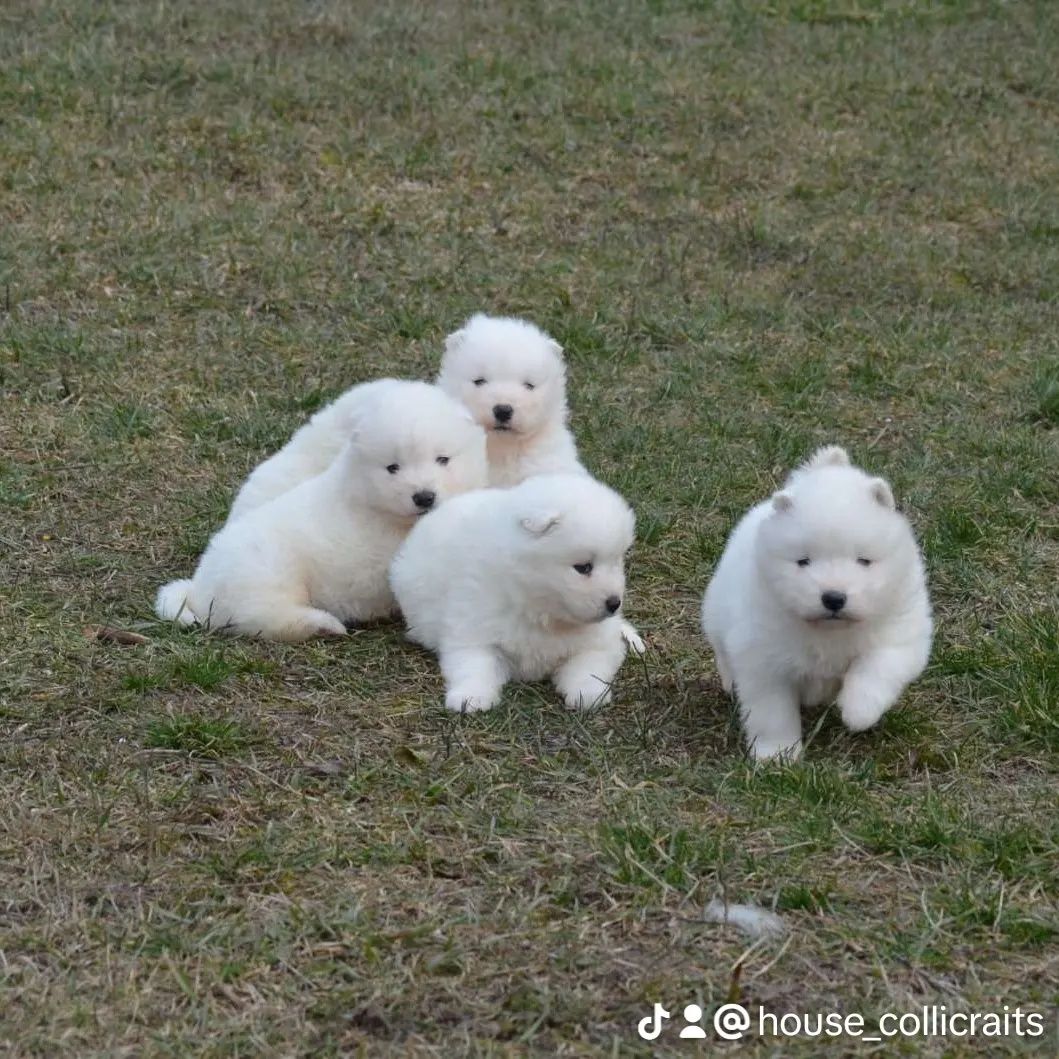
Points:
(313, 447)
(317, 557)
(820, 593)
(511, 376)
(522, 404)
(521, 583)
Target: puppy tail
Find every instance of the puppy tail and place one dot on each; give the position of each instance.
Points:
(633, 638)
(171, 603)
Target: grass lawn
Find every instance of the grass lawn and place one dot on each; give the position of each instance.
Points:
(755, 228)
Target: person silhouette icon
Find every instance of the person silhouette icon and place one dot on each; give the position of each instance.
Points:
(693, 1013)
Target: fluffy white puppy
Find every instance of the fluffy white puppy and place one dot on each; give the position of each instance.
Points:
(522, 583)
(511, 376)
(820, 593)
(314, 445)
(317, 557)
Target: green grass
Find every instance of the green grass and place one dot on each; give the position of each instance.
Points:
(756, 228)
(1046, 392)
(199, 736)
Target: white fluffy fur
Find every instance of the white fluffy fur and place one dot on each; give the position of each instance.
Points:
(752, 920)
(494, 362)
(488, 583)
(313, 447)
(777, 644)
(317, 556)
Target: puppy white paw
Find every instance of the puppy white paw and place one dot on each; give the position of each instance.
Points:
(633, 638)
(463, 700)
(860, 711)
(772, 750)
(587, 697)
(329, 628)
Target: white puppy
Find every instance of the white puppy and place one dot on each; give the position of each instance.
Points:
(522, 583)
(820, 593)
(317, 557)
(313, 447)
(511, 376)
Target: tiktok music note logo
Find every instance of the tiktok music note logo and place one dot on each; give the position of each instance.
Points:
(651, 1026)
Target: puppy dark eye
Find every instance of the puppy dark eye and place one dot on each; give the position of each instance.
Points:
(803, 562)
(443, 460)
(583, 568)
(479, 382)
(864, 562)
(529, 386)
(393, 468)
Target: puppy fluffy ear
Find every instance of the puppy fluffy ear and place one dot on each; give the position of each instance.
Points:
(455, 340)
(883, 494)
(782, 502)
(828, 456)
(555, 348)
(539, 523)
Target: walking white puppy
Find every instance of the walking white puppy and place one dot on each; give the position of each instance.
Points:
(522, 583)
(820, 593)
(314, 445)
(317, 557)
(511, 376)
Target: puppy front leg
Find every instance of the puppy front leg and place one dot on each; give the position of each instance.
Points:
(772, 720)
(874, 682)
(474, 678)
(585, 679)
(724, 668)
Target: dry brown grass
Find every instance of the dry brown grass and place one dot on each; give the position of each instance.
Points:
(755, 228)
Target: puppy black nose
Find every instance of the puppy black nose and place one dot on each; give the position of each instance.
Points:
(834, 601)
(503, 412)
(612, 603)
(424, 499)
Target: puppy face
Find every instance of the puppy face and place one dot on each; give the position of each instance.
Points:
(571, 557)
(508, 373)
(833, 550)
(414, 449)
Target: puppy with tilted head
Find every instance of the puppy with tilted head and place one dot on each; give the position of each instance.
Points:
(520, 584)
(512, 378)
(316, 558)
(314, 445)
(820, 595)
